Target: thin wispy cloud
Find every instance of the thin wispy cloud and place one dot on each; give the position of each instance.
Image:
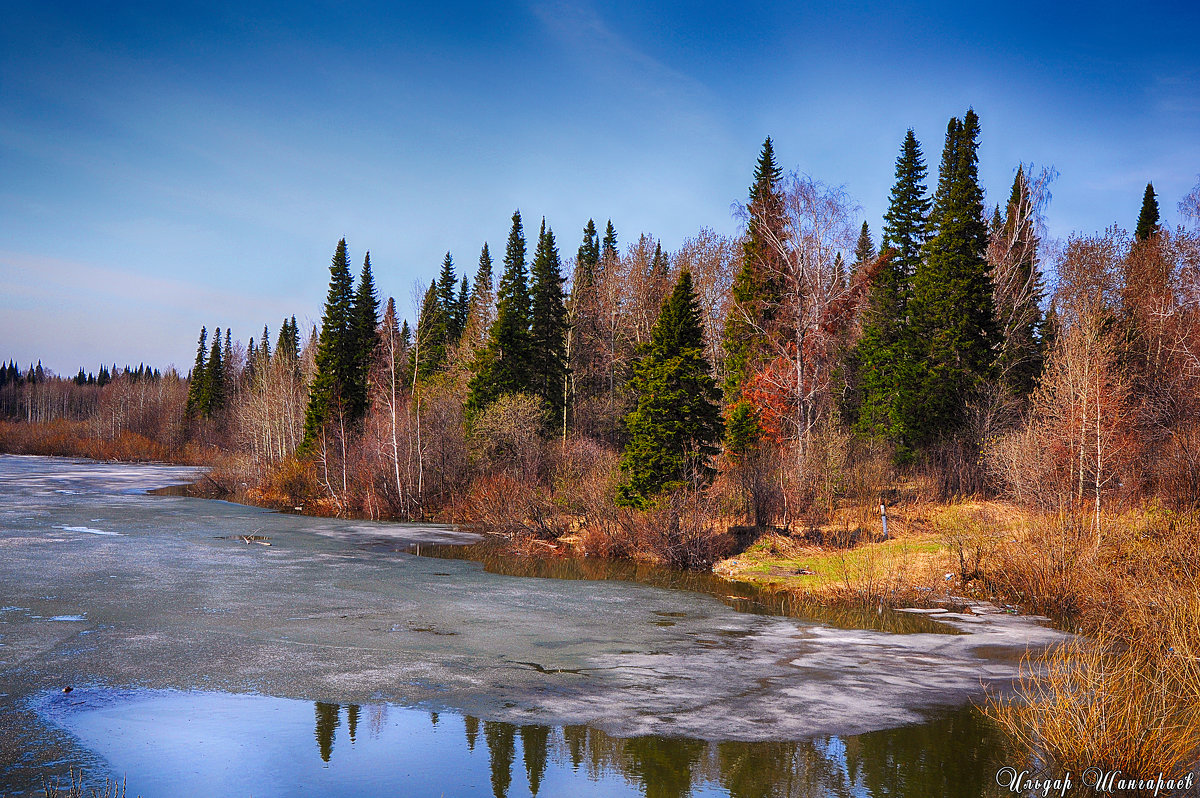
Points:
(234, 147)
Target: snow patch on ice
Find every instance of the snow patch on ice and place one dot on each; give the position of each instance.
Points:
(88, 530)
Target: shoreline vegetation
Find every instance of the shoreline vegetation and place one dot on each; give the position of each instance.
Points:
(1026, 412)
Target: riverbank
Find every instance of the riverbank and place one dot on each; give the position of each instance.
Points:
(1123, 695)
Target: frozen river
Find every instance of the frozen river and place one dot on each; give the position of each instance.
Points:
(335, 662)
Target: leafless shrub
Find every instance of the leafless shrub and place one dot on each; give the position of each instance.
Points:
(506, 436)
(503, 504)
(1046, 567)
(680, 531)
(585, 476)
(972, 535)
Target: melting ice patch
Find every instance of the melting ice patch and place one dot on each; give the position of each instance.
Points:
(67, 618)
(88, 530)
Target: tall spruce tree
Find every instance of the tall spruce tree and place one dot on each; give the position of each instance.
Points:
(907, 218)
(503, 366)
(251, 362)
(588, 255)
(195, 395)
(336, 361)
(1147, 223)
(608, 248)
(429, 354)
(480, 307)
(675, 427)
(756, 292)
(864, 248)
(214, 378)
(462, 306)
(586, 338)
(227, 363)
(394, 342)
(548, 327)
(287, 345)
(953, 329)
(364, 320)
(660, 265)
(881, 359)
(446, 283)
(283, 339)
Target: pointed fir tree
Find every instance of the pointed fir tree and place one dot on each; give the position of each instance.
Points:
(675, 427)
(364, 322)
(548, 327)
(214, 379)
(230, 377)
(195, 399)
(1147, 223)
(907, 218)
(446, 283)
(251, 363)
(462, 307)
(881, 361)
(480, 307)
(997, 223)
(429, 353)
(587, 257)
(864, 249)
(395, 340)
(953, 328)
(503, 366)
(288, 343)
(586, 338)
(660, 266)
(335, 360)
(608, 248)
(264, 347)
(756, 292)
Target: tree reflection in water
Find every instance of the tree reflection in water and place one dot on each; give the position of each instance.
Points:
(327, 723)
(953, 757)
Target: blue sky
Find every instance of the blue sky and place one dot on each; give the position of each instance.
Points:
(171, 165)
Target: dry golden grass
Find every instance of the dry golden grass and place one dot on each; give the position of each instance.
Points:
(1112, 703)
(846, 559)
(1126, 694)
(76, 788)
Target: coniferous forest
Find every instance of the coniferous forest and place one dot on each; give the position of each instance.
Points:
(1029, 410)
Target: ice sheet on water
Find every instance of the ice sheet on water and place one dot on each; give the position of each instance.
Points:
(70, 477)
(340, 610)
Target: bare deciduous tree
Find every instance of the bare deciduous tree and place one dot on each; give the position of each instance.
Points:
(817, 307)
(713, 260)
